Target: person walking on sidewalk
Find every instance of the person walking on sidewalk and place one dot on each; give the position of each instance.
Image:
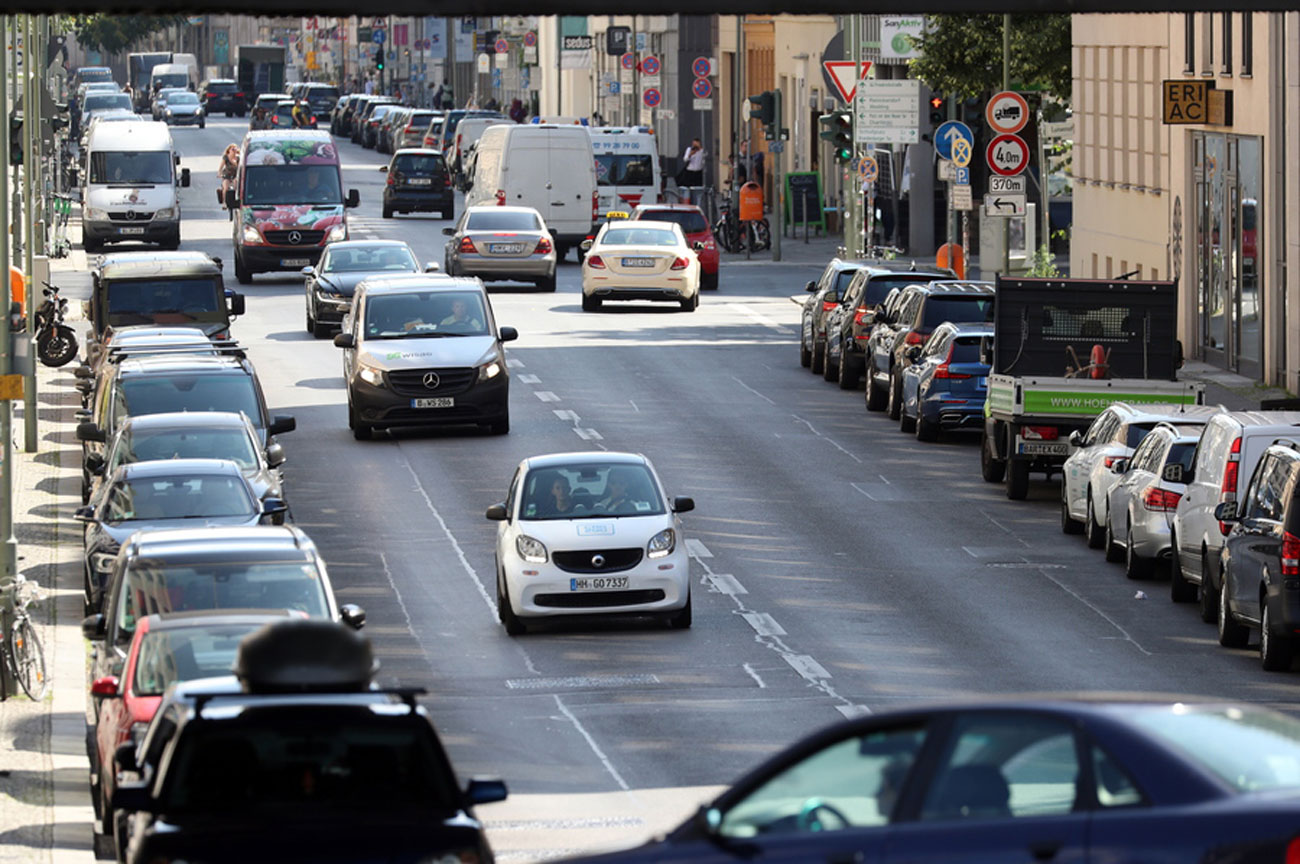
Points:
(693, 164)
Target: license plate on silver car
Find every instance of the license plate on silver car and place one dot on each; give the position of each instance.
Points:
(638, 262)
(598, 583)
(434, 402)
(505, 248)
(131, 230)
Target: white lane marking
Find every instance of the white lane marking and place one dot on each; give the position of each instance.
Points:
(886, 479)
(725, 583)
(546, 396)
(863, 491)
(634, 408)
(830, 441)
(851, 711)
(696, 549)
(460, 553)
(752, 674)
(566, 414)
(762, 319)
(806, 666)
(591, 742)
(528, 379)
(1128, 637)
(588, 434)
(1007, 530)
(763, 624)
(512, 363)
(752, 390)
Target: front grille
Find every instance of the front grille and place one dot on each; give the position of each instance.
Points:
(410, 382)
(430, 416)
(130, 216)
(281, 238)
(580, 562)
(598, 599)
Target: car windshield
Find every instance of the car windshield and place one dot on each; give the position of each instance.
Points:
(158, 394)
(144, 445)
(1249, 750)
(369, 260)
(131, 168)
(691, 221)
(171, 79)
(186, 98)
(168, 656)
(291, 184)
(154, 586)
(590, 492)
(486, 220)
(638, 237)
(196, 496)
(626, 170)
(100, 101)
(94, 74)
(425, 314)
(164, 301)
(422, 165)
(348, 762)
(940, 308)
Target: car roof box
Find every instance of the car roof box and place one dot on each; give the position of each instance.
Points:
(1279, 405)
(305, 655)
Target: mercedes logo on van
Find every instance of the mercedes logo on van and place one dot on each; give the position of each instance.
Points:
(295, 237)
(431, 380)
(130, 215)
(598, 560)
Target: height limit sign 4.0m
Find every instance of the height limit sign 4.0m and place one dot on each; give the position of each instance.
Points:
(1007, 155)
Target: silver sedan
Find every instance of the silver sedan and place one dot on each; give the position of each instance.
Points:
(507, 244)
(1143, 501)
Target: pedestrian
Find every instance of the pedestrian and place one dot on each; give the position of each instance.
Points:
(228, 171)
(370, 86)
(692, 173)
(492, 104)
(517, 111)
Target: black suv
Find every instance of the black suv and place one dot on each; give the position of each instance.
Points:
(418, 182)
(910, 321)
(849, 324)
(1260, 561)
(823, 296)
(224, 95)
(302, 760)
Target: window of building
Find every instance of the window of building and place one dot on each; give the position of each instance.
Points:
(1247, 44)
(1189, 43)
(1226, 26)
(1207, 43)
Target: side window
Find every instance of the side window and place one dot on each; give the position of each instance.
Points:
(1114, 787)
(999, 767)
(514, 493)
(1144, 453)
(1097, 429)
(937, 346)
(852, 783)
(1208, 460)
(1258, 498)
(119, 505)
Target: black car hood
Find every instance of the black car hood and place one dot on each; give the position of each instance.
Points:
(346, 283)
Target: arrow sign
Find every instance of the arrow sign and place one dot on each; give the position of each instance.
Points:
(1004, 205)
(845, 76)
(949, 132)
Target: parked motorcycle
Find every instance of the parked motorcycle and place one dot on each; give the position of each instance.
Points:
(56, 342)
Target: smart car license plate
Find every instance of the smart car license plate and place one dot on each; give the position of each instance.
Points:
(421, 181)
(295, 262)
(132, 230)
(505, 248)
(598, 583)
(434, 402)
(638, 262)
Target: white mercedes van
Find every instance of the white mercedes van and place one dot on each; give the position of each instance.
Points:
(131, 180)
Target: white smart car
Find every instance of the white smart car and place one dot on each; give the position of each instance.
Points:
(641, 260)
(590, 533)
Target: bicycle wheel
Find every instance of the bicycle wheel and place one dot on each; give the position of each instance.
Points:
(28, 659)
(762, 238)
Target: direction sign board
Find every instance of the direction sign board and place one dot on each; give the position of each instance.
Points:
(650, 65)
(845, 77)
(628, 61)
(1007, 155)
(501, 46)
(702, 88)
(702, 67)
(1007, 112)
(378, 36)
(949, 132)
(652, 97)
(1004, 205)
(1006, 185)
(887, 111)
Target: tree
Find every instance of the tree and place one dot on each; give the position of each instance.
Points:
(113, 34)
(962, 54)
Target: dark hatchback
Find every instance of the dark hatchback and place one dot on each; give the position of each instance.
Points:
(223, 95)
(1048, 780)
(418, 182)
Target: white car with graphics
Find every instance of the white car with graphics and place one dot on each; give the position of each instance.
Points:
(590, 533)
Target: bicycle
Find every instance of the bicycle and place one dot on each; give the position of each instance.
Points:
(22, 649)
(733, 235)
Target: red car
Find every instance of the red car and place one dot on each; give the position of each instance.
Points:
(177, 646)
(696, 228)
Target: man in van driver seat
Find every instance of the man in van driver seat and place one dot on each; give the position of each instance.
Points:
(460, 319)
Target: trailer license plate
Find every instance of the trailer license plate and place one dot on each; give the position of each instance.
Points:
(131, 230)
(434, 402)
(598, 583)
(1042, 448)
(638, 262)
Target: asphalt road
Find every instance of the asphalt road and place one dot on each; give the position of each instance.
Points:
(838, 566)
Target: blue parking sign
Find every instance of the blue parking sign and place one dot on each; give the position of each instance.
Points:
(961, 176)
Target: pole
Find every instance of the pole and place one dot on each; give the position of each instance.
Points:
(16, 206)
(777, 178)
(9, 553)
(559, 61)
(1006, 85)
(855, 250)
(1045, 238)
(32, 169)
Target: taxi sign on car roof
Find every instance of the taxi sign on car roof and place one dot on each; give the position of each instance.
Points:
(618, 214)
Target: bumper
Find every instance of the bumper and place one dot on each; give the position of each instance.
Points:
(658, 585)
(263, 259)
(542, 267)
(411, 199)
(1150, 533)
(223, 105)
(125, 232)
(950, 414)
(186, 119)
(484, 402)
(621, 287)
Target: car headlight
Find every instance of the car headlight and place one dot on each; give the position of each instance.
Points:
(531, 549)
(251, 234)
(662, 543)
(338, 232)
(371, 375)
(489, 370)
(165, 213)
(169, 112)
(102, 562)
(94, 213)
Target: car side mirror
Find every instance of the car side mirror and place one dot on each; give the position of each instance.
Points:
(485, 790)
(810, 287)
(105, 688)
(1076, 438)
(432, 267)
(344, 340)
(95, 463)
(124, 757)
(1119, 466)
(682, 504)
(383, 168)
(89, 431)
(1173, 473)
(497, 513)
(354, 198)
(308, 272)
(275, 455)
(94, 627)
(508, 334)
(449, 231)
(274, 507)
(232, 200)
(237, 304)
(914, 353)
(352, 615)
(281, 423)
(185, 177)
(1226, 512)
(84, 513)
(586, 245)
(708, 820)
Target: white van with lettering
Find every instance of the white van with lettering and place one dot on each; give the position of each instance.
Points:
(131, 185)
(627, 167)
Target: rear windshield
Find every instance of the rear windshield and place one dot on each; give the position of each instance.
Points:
(420, 119)
(100, 101)
(422, 165)
(134, 168)
(626, 170)
(690, 221)
(379, 112)
(842, 280)
(164, 301)
(1182, 454)
(435, 127)
(222, 87)
(168, 656)
(878, 287)
(966, 349)
(638, 237)
(1136, 432)
(291, 184)
(156, 394)
(940, 308)
(487, 221)
(90, 74)
(323, 94)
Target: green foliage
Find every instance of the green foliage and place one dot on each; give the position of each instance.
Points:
(113, 34)
(962, 54)
(1043, 264)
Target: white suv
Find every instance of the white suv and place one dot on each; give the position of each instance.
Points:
(1230, 447)
(1086, 477)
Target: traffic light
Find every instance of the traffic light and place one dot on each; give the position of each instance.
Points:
(837, 128)
(971, 112)
(379, 59)
(938, 109)
(764, 107)
(15, 137)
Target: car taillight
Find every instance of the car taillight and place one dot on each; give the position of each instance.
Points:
(942, 370)
(467, 245)
(859, 315)
(680, 264)
(828, 305)
(1040, 433)
(501, 197)
(595, 206)
(1161, 499)
(1228, 492)
(446, 180)
(239, 95)
(595, 262)
(1290, 562)
(543, 246)
(392, 178)
(1111, 460)
(914, 338)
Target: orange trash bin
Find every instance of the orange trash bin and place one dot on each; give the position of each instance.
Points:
(18, 287)
(751, 202)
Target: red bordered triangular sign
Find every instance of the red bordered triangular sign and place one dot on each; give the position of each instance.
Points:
(842, 73)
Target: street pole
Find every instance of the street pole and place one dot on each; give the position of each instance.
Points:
(32, 168)
(1006, 85)
(9, 553)
(16, 206)
(777, 176)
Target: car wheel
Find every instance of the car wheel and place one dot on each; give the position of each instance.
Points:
(561, 252)
(681, 620)
(805, 355)
(1275, 651)
(895, 397)
(203, 124)
(690, 304)
(1206, 594)
(320, 330)
(818, 356)
(388, 212)
(514, 626)
(91, 246)
(547, 284)
(1069, 525)
(360, 431)
(590, 304)
(1017, 479)
(830, 366)
(992, 469)
(875, 397)
(1180, 590)
(1113, 551)
(242, 274)
(906, 424)
(1231, 634)
(1135, 566)
(449, 215)
(925, 429)
(845, 376)
(709, 281)
(311, 322)
(1095, 535)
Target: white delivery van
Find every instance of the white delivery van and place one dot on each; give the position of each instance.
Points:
(546, 167)
(130, 192)
(170, 75)
(627, 167)
(467, 133)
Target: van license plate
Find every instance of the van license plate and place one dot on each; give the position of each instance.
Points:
(505, 248)
(131, 230)
(638, 262)
(295, 262)
(434, 402)
(598, 583)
